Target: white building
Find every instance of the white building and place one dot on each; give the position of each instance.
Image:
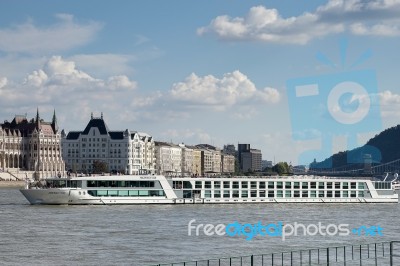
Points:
(129, 152)
(168, 159)
(187, 160)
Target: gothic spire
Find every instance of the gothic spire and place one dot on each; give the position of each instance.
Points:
(54, 124)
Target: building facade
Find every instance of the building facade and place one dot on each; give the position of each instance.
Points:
(33, 145)
(126, 152)
(228, 163)
(250, 160)
(168, 159)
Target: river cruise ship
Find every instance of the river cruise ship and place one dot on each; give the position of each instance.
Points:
(158, 189)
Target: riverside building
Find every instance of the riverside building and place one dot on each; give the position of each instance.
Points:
(32, 145)
(127, 152)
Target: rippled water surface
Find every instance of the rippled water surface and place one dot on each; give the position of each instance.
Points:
(149, 234)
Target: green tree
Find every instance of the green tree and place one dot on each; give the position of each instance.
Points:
(282, 168)
(100, 167)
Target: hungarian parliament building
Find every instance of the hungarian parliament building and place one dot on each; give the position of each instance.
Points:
(31, 145)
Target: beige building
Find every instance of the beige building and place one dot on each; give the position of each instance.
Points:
(228, 163)
(196, 163)
(211, 163)
(168, 159)
(33, 146)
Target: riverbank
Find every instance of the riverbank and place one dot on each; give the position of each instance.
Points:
(14, 184)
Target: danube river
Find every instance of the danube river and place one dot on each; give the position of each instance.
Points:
(143, 235)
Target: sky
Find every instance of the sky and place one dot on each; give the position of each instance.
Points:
(217, 72)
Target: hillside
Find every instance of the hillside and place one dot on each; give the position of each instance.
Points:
(383, 148)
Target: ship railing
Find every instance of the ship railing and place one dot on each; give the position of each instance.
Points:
(381, 253)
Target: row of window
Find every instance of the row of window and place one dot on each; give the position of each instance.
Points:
(126, 193)
(112, 183)
(278, 184)
(281, 194)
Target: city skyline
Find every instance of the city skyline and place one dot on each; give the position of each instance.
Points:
(191, 72)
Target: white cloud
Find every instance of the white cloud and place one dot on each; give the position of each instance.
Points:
(60, 83)
(116, 63)
(3, 82)
(390, 104)
(377, 17)
(63, 35)
(119, 82)
(231, 89)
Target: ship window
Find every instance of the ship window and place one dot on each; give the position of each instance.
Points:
(143, 193)
(198, 184)
(245, 194)
(271, 194)
(296, 194)
(262, 184)
(227, 184)
(217, 184)
(113, 193)
(187, 184)
(313, 184)
(262, 193)
(329, 194)
(121, 184)
(321, 194)
(279, 194)
(270, 184)
(227, 194)
(92, 192)
(337, 194)
(360, 185)
(187, 194)
(288, 185)
(337, 185)
(353, 194)
(235, 194)
(177, 184)
(296, 185)
(361, 193)
(207, 193)
(329, 185)
(235, 184)
(279, 184)
(313, 194)
(253, 193)
(288, 194)
(253, 184)
(321, 185)
(245, 184)
(101, 192)
(304, 185)
(353, 185)
(345, 194)
(155, 193)
(207, 184)
(133, 193)
(304, 194)
(217, 193)
(123, 193)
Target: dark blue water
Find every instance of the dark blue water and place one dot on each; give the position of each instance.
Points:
(144, 234)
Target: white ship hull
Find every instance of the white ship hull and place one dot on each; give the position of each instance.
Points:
(162, 190)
